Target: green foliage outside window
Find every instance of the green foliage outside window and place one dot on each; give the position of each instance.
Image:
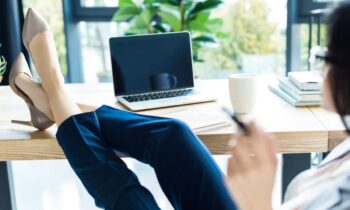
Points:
(160, 16)
(250, 32)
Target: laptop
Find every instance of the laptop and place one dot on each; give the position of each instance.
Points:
(154, 71)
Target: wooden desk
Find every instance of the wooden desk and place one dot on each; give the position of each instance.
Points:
(333, 124)
(297, 130)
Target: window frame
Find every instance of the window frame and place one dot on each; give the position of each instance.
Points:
(297, 12)
(83, 13)
(306, 6)
(74, 12)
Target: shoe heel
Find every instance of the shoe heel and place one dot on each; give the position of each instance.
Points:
(27, 123)
(38, 119)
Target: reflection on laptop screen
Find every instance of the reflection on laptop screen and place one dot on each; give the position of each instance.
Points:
(151, 63)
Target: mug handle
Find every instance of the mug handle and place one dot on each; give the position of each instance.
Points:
(173, 81)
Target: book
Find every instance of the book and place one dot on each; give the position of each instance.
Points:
(301, 95)
(278, 91)
(306, 80)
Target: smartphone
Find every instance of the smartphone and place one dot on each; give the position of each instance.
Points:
(243, 127)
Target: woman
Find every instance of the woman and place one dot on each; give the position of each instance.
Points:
(328, 185)
(186, 172)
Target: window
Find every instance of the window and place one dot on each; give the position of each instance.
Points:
(255, 43)
(306, 30)
(245, 49)
(263, 48)
(94, 42)
(99, 3)
(53, 13)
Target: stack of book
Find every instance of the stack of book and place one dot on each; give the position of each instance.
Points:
(302, 88)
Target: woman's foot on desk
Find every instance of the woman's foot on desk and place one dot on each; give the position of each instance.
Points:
(39, 41)
(32, 93)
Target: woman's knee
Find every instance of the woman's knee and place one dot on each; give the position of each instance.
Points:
(177, 127)
(176, 133)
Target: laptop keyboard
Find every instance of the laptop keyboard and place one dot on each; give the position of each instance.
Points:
(158, 95)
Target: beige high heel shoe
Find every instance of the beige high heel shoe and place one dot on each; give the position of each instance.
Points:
(34, 24)
(38, 119)
(39, 42)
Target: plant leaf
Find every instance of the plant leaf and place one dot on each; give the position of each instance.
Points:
(198, 26)
(202, 16)
(204, 38)
(141, 22)
(169, 7)
(195, 46)
(3, 64)
(136, 31)
(173, 2)
(125, 13)
(162, 28)
(123, 3)
(215, 24)
(216, 21)
(173, 20)
(204, 6)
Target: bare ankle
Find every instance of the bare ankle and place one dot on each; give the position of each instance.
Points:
(53, 85)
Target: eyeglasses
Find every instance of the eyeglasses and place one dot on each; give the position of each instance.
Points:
(318, 56)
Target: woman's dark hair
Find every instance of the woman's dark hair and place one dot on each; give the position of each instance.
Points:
(338, 59)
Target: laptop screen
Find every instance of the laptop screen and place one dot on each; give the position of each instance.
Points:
(150, 63)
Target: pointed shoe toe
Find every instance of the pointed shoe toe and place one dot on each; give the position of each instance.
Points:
(34, 24)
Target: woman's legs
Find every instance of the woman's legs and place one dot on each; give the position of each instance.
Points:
(186, 172)
(185, 169)
(86, 108)
(105, 176)
(38, 96)
(61, 103)
(42, 49)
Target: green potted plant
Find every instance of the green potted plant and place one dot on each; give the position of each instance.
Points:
(161, 16)
(3, 64)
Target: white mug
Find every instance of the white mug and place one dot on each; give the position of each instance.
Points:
(243, 91)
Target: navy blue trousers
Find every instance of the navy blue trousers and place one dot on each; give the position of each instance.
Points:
(184, 167)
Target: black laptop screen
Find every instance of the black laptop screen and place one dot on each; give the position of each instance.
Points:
(151, 63)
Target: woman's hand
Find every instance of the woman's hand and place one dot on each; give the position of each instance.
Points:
(251, 170)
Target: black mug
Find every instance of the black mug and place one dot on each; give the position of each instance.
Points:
(163, 81)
